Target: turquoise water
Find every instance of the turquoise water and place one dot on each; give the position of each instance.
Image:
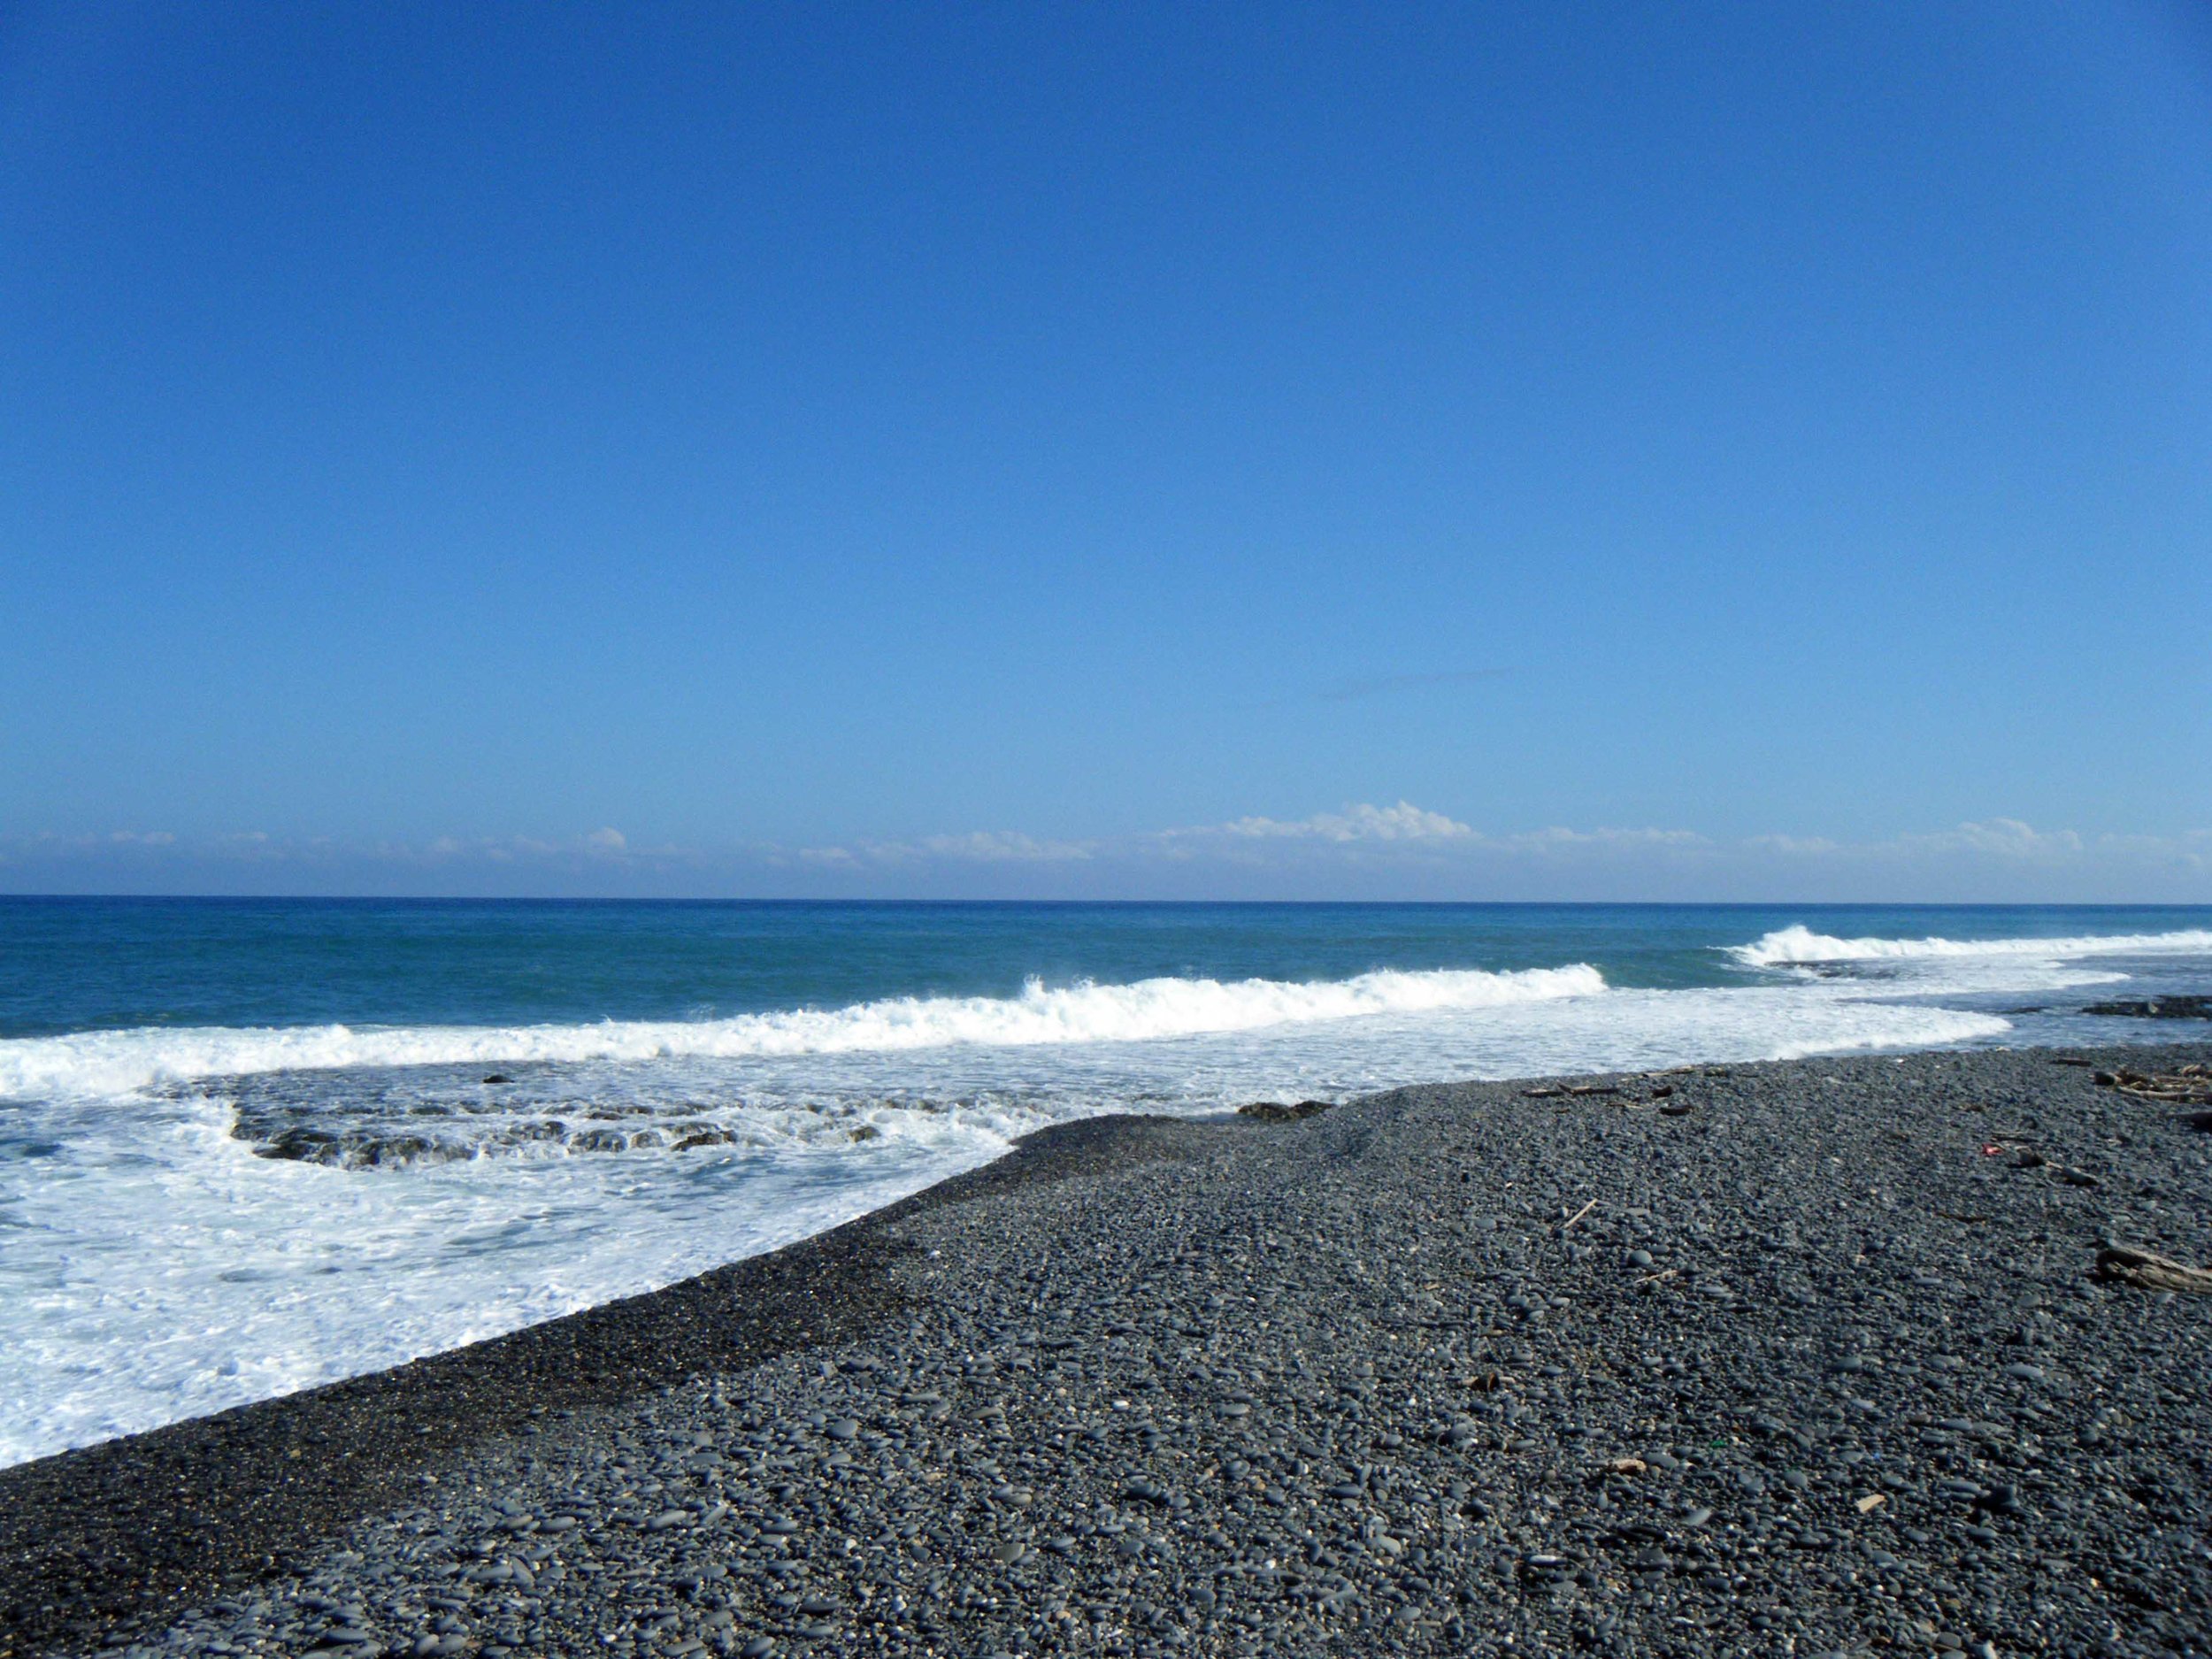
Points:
(248, 1146)
(78, 964)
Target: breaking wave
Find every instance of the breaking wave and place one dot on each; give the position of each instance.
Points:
(1800, 944)
(116, 1061)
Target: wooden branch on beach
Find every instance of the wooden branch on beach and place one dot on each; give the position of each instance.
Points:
(2148, 1271)
(2190, 1085)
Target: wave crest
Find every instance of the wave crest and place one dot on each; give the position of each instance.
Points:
(1798, 943)
(116, 1062)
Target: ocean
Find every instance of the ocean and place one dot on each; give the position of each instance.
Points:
(248, 1146)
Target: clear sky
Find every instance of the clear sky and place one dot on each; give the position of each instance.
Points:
(1460, 451)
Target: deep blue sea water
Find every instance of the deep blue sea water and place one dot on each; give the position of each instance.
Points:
(248, 1146)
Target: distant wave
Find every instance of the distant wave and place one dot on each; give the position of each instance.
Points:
(114, 1061)
(1798, 943)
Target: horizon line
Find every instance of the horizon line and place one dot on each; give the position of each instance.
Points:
(558, 898)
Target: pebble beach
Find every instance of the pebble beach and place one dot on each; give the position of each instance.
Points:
(1823, 1356)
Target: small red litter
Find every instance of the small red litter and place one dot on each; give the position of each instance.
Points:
(1992, 1150)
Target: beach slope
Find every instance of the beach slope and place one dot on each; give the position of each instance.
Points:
(1807, 1358)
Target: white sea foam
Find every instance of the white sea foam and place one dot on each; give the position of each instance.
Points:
(116, 1062)
(1797, 944)
(157, 1269)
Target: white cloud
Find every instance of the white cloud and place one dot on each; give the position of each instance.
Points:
(999, 847)
(2002, 837)
(1413, 828)
(1408, 847)
(1793, 846)
(1560, 840)
(1404, 822)
(2191, 851)
(1997, 841)
(977, 847)
(501, 850)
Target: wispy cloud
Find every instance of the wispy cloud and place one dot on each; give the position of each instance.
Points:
(2004, 841)
(1793, 846)
(261, 847)
(1374, 836)
(977, 847)
(1417, 828)
(1411, 848)
(1560, 840)
(1000, 847)
(1404, 822)
(602, 846)
(2002, 837)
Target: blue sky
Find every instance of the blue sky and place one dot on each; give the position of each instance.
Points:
(1477, 451)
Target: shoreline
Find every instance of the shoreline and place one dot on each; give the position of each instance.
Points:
(1182, 1221)
(134, 1519)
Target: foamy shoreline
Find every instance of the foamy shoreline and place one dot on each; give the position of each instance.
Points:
(1190, 1267)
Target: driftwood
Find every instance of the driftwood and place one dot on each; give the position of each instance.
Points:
(2190, 1085)
(2147, 1271)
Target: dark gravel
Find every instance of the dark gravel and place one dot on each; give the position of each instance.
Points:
(1793, 1359)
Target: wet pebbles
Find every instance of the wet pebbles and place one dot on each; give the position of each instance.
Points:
(1818, 1364)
